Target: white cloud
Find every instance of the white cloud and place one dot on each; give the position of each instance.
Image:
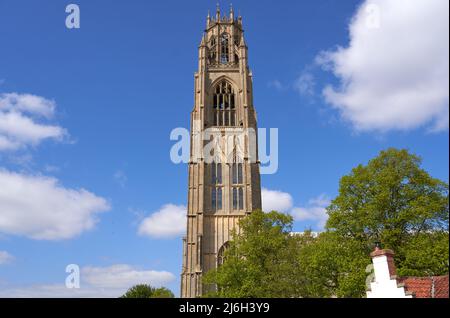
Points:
(109, 282)
(21, 121)
(5, 257)
(273, 200)
(57, 291)
(315, 211)
(124, 276)
(40, 208)
(395, 76)
(305, 84)
(280, 201)
(169, 221)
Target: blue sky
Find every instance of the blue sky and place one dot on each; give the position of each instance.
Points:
(119, 84)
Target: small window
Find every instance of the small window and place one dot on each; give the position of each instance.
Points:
(241, 198)
(216, 198)
(239, 173)
(213, 199)
(221, 254)
(238, 198)
(216, 173)
(219, 173)
(219, 199)
(213, 173)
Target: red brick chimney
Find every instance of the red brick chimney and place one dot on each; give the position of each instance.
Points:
(385, 284)
(389, 254)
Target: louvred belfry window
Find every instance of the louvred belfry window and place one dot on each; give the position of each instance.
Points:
(224, 105)
(212, 51)
(224, 49)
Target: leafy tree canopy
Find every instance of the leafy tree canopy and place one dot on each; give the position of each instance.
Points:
(391, 200)
(147, 291)
(394, 201)
(260, 261)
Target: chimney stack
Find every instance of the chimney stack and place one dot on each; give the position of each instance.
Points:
(385, 283)
(383, 262)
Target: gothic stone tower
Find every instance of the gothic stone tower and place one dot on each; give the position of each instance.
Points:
(224, 180)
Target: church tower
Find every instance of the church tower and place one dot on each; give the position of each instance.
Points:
(224, 180)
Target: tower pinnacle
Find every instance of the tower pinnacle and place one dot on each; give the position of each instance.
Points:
(218, 12)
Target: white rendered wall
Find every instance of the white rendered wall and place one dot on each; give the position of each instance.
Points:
(384, 286)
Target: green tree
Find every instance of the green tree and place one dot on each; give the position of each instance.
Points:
(425, 254)
(333, 266)
(147, 291)
(260, 261)
(393, 201)
(162, 292)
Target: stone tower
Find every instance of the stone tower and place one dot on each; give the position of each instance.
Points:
(224, 180)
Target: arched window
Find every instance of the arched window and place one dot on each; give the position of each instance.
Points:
(224, 49)
(221, 253)
(224, 104)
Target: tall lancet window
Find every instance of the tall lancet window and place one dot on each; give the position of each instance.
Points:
(224, 105)
(212, 51)
(224, 49)
(237, 180)
(216, 186)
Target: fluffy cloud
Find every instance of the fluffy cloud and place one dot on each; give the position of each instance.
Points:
(40, 208)
(394, 73)
(280, 201)
(273, 200)
(169, 221)
(5, 257)
(21, 121)
(124, 276)
(108, 282)
(57, 291)
(314, 211)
